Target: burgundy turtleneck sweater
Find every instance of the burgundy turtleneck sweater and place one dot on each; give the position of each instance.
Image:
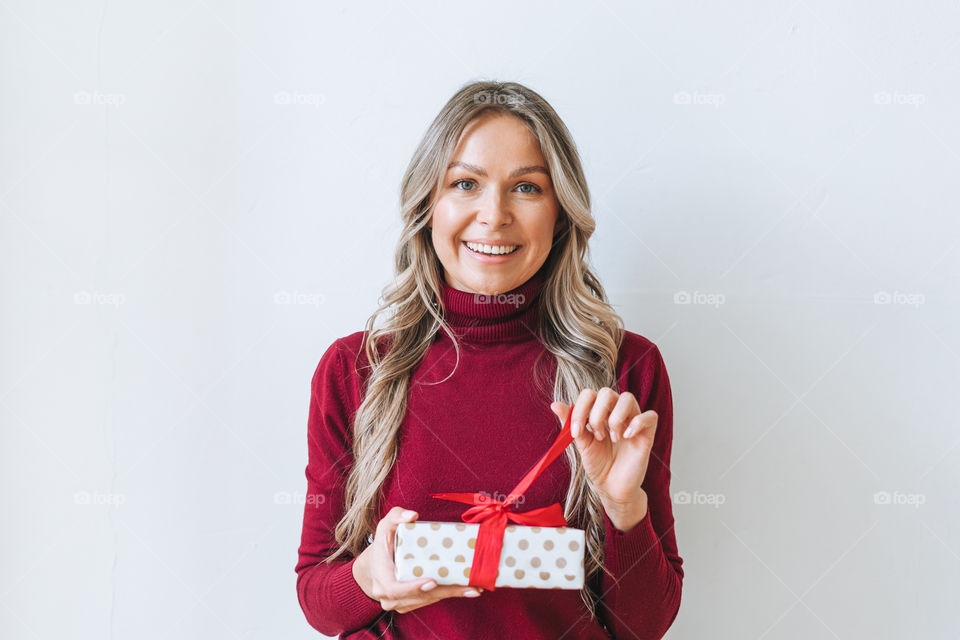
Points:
(482, 429)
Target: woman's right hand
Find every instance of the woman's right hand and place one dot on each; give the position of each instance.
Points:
(374, 572)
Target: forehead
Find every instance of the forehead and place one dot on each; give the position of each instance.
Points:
(498, 141)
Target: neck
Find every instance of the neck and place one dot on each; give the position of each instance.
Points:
(509, 316)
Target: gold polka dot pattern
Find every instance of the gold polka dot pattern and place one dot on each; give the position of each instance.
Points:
(532, 557)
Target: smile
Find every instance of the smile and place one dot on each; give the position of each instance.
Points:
(488, 250)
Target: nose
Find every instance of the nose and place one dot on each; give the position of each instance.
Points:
(494, 211)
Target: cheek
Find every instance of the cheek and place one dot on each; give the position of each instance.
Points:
(451, 214)
(443, 222)
(543, 220)
(452, 208)
(439, 218)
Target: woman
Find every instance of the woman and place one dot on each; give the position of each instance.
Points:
(497, 325)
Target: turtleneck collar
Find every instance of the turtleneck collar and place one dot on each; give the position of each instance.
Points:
(507, 317)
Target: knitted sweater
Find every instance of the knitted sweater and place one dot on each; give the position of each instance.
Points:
(480, 425)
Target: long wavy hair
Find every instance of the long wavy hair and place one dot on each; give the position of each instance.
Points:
(577, 324)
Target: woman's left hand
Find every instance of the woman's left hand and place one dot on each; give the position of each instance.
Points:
(615, 450)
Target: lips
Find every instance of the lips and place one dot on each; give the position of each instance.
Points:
(477, 245)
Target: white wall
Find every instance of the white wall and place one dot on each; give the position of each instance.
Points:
(146, 164)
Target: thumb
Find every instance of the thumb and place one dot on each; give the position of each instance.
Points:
(560, 409)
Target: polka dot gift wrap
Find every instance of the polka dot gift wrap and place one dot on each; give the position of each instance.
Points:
(532, 557)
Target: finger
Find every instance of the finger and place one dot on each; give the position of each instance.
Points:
(644, 424)
(390, 590)
(621, 415)
(453, 591)
(581, 412)
(600, 412)
(646, 421)
(407, 594)
(584, 440)
(581, 436)
(387, 527)
(395, 516)
(560, 409)
(384, 568)
(450, 591)
(633, 427)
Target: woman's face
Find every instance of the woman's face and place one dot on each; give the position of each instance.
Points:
(496, 191)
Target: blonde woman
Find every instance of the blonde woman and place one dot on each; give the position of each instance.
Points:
(496, 326)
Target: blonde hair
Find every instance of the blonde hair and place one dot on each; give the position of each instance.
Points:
(577, 324)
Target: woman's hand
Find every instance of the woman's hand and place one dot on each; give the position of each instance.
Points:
(615, 450)
(373, 571)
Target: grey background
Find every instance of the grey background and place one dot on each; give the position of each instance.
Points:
(198, 197)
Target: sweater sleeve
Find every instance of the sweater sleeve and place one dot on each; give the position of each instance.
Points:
(643, 599)
(330, 597)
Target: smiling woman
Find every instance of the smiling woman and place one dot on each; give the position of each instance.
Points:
(497, 327)
(495, 218)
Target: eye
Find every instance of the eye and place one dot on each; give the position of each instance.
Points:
(460, 182)
(535, 189)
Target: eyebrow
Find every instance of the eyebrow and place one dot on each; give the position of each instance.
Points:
(515, 174)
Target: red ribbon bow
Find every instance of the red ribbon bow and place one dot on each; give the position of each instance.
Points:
(493, 513)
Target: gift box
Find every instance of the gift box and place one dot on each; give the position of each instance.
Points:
(532, 557)
(538, 550)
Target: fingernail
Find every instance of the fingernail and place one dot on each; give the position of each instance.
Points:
(428, 585)
(613, 436)
(406, 515)
(471, 593)
(575, 428)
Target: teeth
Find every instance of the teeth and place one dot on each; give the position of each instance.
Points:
(486, 248)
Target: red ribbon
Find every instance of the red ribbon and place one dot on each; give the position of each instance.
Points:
(493, 513)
